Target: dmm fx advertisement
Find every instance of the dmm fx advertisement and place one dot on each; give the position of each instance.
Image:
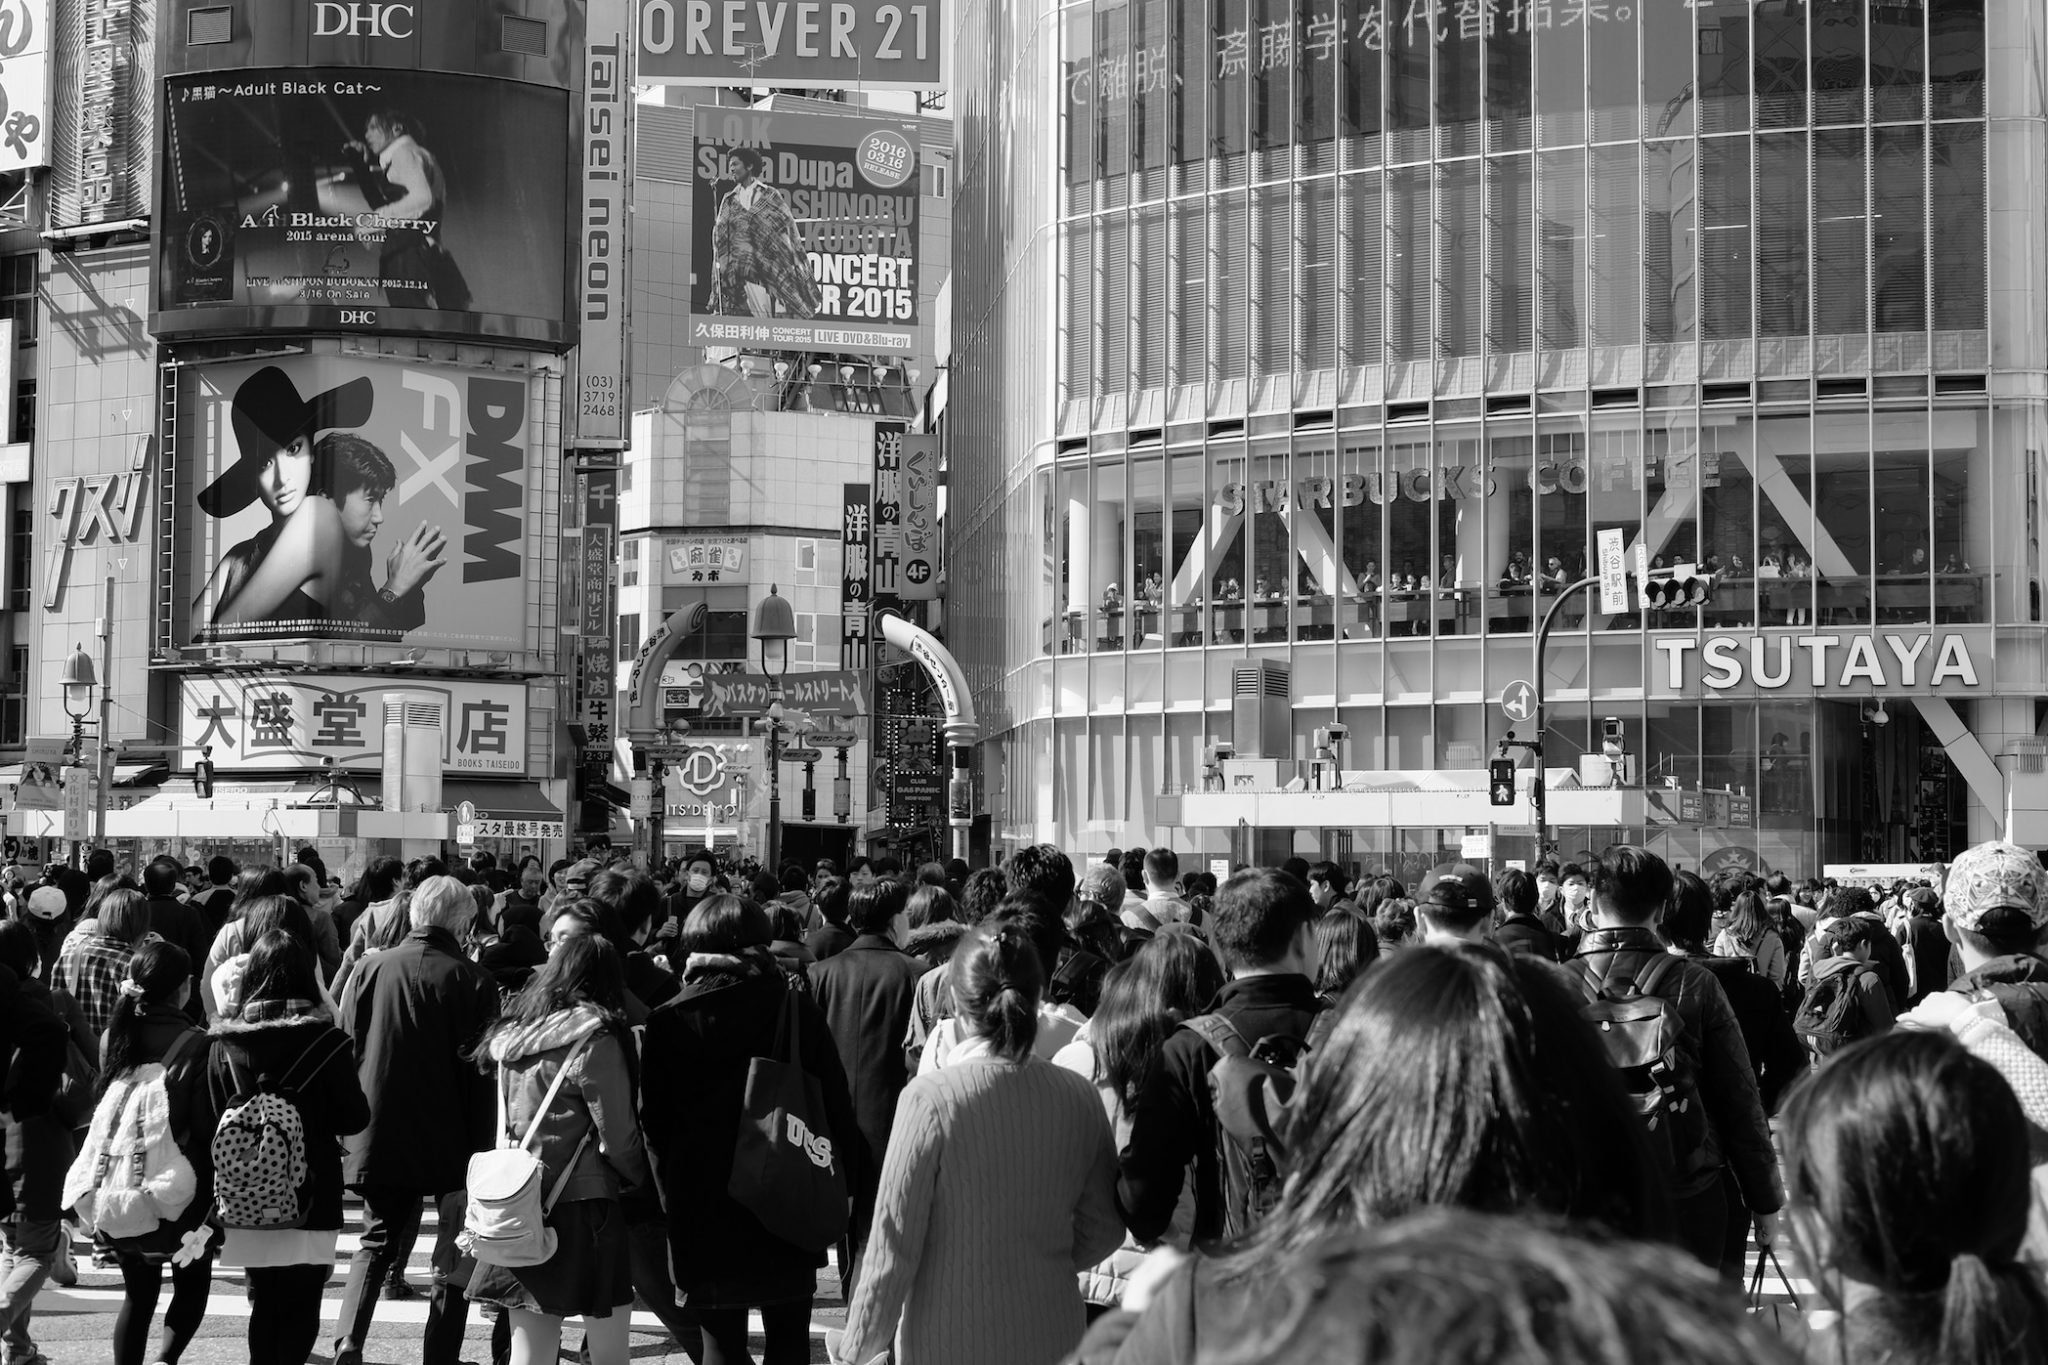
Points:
(803, 232)
(388, 201)
(354, 498)
(295, 720)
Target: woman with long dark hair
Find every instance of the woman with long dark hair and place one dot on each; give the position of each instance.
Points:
(1908, 1178)
(1456, 1076)
(1168, 981)
(281, 1037)
(150, 1027)
(1345, 946)
(259, 917)
(998, 1187)
(570, 1022)
(1751, 935)
(702, 1043)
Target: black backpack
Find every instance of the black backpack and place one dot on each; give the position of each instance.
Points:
(1642, 1029)
(1831, 1016)
(1249, 1087)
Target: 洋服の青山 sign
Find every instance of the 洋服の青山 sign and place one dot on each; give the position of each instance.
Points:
(804, 232)
(834, 693)
(1862, 661)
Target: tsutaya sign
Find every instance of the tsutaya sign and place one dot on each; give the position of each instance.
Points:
(1859, 661)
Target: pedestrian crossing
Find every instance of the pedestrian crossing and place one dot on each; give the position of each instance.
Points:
(98, 1291)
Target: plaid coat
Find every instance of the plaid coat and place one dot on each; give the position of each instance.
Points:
(759, 245)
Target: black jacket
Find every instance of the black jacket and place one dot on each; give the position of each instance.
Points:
(413, 1013)
(330, 1102)
(1738, 1134)
(185, 925)
(700, 1045)
(1174, 1121)
(1528, 934)
(2019, 983)
(1927, 956)
(865, 994)
(828, 940)
(1776, 1055)
(39, 1147)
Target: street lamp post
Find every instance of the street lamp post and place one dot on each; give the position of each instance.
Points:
(774, 626)
(78, 681)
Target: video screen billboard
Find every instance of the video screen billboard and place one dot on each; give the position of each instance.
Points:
(343, 199)
(359, 498)
(804, 232)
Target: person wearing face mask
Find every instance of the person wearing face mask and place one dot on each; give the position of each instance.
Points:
(1549, 897)
(1577, 898)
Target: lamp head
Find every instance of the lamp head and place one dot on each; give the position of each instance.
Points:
(78, 680)
(774, 626)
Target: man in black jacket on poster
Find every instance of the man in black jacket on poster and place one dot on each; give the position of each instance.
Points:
(1263, 924)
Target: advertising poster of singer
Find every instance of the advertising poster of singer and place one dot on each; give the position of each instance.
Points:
(368, 499)
(393, 201)
(804, 232)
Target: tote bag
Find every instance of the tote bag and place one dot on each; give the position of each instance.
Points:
(786, 1169)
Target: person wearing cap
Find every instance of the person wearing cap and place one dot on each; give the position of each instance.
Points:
(1919, 932)
(287, 570)
(1996, 903)
(1456, 906)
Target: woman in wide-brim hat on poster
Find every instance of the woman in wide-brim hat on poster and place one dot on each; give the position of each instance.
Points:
(286, 571)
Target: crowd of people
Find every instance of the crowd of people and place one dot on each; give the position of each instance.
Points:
(1107, 1114)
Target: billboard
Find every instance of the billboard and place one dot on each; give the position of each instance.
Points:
(358, 498)
(603, 298)
(793, 44)
(536, 41)
(343, 199)
(292, 721)
(804, 231)
(24, 84)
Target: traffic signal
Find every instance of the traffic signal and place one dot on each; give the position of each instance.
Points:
(1684, 586)
(202, 778)
(1500, 781)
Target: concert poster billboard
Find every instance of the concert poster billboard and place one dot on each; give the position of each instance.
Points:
(804, 232)
(338, 199)
(367, 499)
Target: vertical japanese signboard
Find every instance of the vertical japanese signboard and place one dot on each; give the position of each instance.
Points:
(602, 374)
(599, 607)
(856, 588)
(886, 557)
(918, 529)
(24, 84)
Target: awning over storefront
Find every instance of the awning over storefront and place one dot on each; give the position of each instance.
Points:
(506, 810)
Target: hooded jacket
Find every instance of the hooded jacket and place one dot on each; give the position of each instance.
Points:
(702, 1045)
(1873, 1000)
(330, 1101)
(596, 1098)
(2019, 983)
(933, 943)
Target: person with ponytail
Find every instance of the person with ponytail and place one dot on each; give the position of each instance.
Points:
(998, 1187)
(1908, 1179)
(149, 1021)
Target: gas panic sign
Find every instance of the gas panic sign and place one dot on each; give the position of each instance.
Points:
(820, 44)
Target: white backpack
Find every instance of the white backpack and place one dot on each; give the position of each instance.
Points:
(505, 1220)
(130, 1177)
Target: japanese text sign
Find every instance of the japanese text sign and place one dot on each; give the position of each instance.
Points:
(288, 721)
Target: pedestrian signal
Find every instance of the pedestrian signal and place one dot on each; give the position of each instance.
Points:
(1500, 781)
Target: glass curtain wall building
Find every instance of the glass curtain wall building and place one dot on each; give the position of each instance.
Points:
(1333, 334)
